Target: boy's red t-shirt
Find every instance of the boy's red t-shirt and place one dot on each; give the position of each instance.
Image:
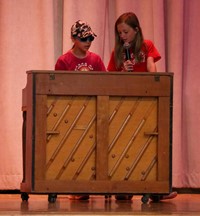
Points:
(69, 62)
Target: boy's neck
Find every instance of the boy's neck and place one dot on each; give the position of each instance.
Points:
(79, 53)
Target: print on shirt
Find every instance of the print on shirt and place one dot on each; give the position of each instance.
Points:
(135, 61)
(83, 67)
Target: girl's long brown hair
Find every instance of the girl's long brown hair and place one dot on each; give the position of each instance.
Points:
(136, 45)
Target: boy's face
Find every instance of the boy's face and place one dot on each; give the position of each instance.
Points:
(82, 46)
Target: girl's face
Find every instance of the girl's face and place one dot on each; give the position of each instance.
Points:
(126, 32)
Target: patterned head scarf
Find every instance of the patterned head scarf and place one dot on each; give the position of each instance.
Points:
(81, 29)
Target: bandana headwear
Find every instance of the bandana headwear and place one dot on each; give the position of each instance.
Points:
(82, 30)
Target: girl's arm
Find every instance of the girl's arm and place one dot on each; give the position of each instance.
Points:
(151, 66)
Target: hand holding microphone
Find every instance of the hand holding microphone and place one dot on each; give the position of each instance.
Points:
(128, 65)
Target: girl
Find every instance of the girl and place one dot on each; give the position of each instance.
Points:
(132, 52)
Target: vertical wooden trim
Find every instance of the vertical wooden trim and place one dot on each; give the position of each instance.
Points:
(102, 137)
(40, 137)
(28, 95)
(164, 139)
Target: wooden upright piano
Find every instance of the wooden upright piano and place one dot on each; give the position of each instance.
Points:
(97, 133)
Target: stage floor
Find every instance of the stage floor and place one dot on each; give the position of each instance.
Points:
(183, 204)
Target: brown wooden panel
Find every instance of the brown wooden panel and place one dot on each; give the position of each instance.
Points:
(40, 137)
(102, 83)
(164, 145)
(102, 137)
(71, 138)
(27, 107)
(102, 187)
(132, 151)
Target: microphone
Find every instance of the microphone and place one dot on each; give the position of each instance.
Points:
(127, 50)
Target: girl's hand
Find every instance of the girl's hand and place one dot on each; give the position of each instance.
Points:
(128, 65)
